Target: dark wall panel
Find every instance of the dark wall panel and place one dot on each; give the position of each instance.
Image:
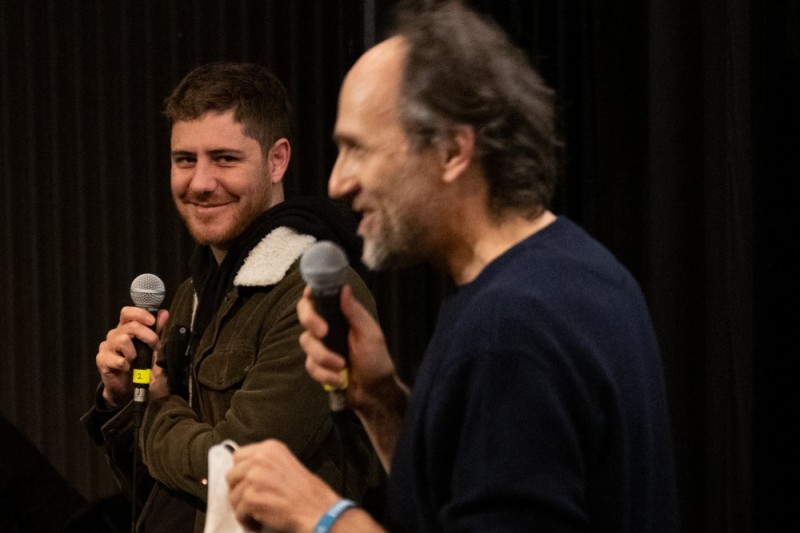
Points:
(669, 111)
(84, 174)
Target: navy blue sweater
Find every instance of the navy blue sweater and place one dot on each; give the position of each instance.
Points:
(540, 403)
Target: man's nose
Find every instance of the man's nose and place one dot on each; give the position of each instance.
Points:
(204, 177)
(342, 182)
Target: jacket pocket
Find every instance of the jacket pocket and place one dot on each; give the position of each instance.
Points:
(173, 357)
(226, 366)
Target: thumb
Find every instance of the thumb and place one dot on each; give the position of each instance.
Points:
(161, 319)
(355, 313)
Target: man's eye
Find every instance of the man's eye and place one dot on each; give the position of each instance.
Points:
(353, 150)
(183, 161)
(227, 159)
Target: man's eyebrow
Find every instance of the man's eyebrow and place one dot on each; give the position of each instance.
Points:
(344, 138)
(221, 151)
(214, 152)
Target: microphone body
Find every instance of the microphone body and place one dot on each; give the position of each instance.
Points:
(328, 307)
(324, 269)
(147, 292)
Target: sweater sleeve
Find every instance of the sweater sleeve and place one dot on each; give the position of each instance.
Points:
(520, 465)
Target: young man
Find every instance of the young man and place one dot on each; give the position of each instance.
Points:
(540, 402)
(229, 341)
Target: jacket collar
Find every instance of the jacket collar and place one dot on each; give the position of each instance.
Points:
(271, 259)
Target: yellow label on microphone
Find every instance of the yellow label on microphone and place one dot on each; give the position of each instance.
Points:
(141, 376)
(345, 381)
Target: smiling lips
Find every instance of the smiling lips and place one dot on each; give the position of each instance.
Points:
(365, 213)
(204, 209)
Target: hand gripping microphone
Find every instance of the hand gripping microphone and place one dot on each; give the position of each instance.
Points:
(324, 269)
(147, 292)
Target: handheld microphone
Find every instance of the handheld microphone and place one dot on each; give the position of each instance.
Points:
(147, 292)
(324, 269)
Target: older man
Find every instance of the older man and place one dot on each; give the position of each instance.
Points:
(540, 402)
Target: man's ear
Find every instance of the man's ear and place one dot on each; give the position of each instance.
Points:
(457, 152)
(278, 159)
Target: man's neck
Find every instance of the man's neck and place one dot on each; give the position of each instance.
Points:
(218, 253)
(486, 239)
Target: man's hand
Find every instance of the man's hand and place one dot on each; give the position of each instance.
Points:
(116, 354)
(268, 485)
(374, 391)
(369, 359)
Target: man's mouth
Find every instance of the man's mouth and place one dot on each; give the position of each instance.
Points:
(205, 208)
(367, 221)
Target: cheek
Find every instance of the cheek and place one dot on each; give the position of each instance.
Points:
(415, 189)
(382, 176)
(177, 183)
(405, 177)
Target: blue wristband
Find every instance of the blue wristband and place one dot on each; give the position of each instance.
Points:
(332, 514)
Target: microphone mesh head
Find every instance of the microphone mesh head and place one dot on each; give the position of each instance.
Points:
(147, 291)
(324, 267)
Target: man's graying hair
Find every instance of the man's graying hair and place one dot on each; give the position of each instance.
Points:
(256, 96)
(462, 69)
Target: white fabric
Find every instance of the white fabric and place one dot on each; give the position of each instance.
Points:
(271, 259)
(219, 515)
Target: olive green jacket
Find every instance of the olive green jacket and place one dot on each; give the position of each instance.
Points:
(247, 382)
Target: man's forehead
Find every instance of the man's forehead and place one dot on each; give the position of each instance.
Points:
(226, 116)
(381, 64)
(370, 90)
(219, 122)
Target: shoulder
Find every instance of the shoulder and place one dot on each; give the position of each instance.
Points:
(362, 292)
(272, 258)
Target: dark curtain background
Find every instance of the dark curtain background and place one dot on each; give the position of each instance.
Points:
(678, 117)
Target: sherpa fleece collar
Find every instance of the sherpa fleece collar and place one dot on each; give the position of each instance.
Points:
(270, 260)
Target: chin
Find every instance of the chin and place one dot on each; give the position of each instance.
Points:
(210, 237)
(374, 256)
(217, 233)
(381, 257)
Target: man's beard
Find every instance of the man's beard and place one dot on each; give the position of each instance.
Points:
(221, 237)
(399, 243)
(376, 255)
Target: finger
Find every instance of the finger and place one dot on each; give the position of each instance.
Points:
(111, 361)
(332, 376)
(136, 314)
(163, 316)
(246, 506)
(120, 336)
(261, 449)
(354, 312)
(239, 504)
(318, 352)
(235, 475)
(142, 332)
(318, 355)
(118, 346)
(331, 380)
(308, 317)
(305, 307)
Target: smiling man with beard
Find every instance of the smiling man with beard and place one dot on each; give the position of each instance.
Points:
(234, 369)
